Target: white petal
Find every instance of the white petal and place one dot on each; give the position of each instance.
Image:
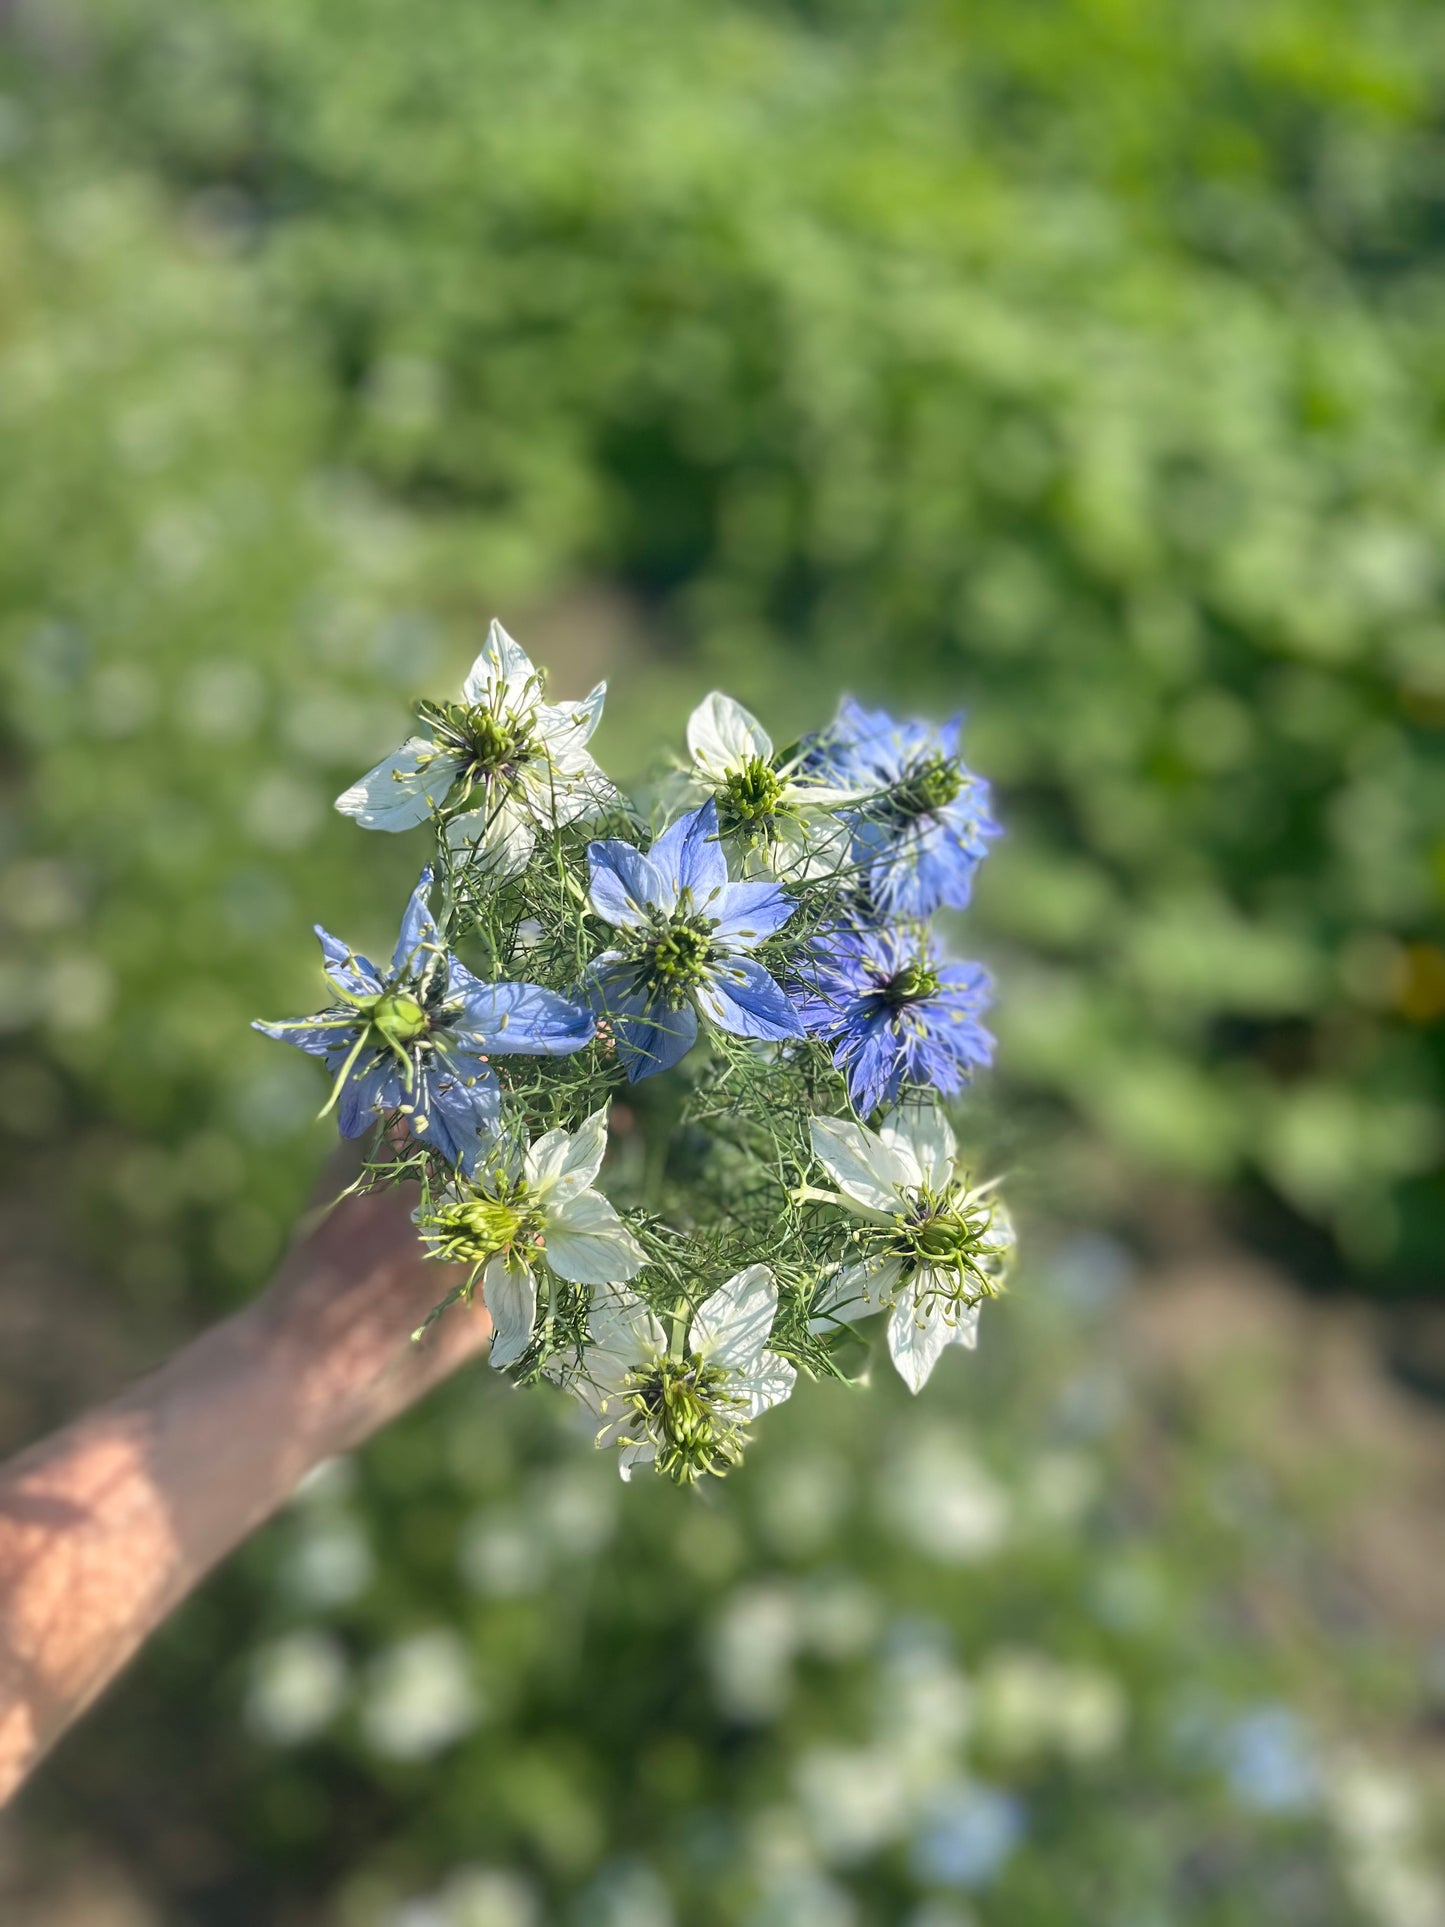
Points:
(861, 1165)
(499, 839)
(566, 727)
(807, 849)
(964, 1329)
(588, 1244)
(510, 1294)
(397, 794)
(916, 1339)
(502, 669)
(920, 1137)
(998, 1243)
(643, 1453)
(736, 1322)
(620, 1326)
(769, 1383)
(561, 1163)
(557, 794)
(721, 735)
(855, 1291)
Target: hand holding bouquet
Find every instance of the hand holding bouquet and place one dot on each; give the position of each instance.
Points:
(731, 999)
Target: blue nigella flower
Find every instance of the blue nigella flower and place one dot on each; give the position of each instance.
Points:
(926, 825)
(686, 932)
(416, 1038)
(892, 1012)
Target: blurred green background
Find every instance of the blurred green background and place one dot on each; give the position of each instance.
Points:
(1076, 363)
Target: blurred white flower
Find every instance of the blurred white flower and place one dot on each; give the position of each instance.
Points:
(838, 1615)
(803, 1503)
(854, 1799)
(941, 1913)
(803, 1899)
(328, 1563)
(502, 1556)
(925, 1707)
(1377, 1813)
(1030, 1705)
(1061, 1487)
(298, 1685)
(420, 1697)
(938, 1497)
(751, 1650)
(575, 1510)
(474, 1897)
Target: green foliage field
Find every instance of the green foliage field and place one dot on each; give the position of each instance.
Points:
(1077, 364)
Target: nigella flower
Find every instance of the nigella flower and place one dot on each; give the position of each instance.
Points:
(684, 1405)
(925, 827)
(497, 765)
(520, 1208)
(686, 932)
(893, 1013)
(785, 822)
(417, 1038)
(936, 1245)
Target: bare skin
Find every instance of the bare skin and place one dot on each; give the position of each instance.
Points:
(107, 1525)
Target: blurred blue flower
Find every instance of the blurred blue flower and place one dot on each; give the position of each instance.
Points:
(926, 827)
(417, 1037)
(685, 934)
(892, 1012)
(1269, 1761)
(968, 1832)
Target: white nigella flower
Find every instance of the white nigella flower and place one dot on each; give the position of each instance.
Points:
(936, 1245)
(787, 825)
(524, 1208)
(682, 1405)
(499, 763)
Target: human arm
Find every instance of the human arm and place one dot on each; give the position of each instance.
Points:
(106, 1525)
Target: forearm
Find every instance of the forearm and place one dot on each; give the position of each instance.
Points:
(108, 1524)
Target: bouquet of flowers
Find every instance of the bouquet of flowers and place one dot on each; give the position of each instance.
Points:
(726, 999)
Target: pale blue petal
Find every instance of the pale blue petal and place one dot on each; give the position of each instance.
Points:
(625, 883)
(418, 930)
(518, 1020)
(349, 972)
(749, 912)
(650, 1037)
(689, 857)
(463, 1109)
(317, 1039)
(742, 998)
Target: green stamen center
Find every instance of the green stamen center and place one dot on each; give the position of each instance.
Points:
(397, 1017)
(474, 1227)
(928, 786)
(911, 984)
(751, 794)
(683, 1407)
(493, 745)
(674, 958)
(951, 1242)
